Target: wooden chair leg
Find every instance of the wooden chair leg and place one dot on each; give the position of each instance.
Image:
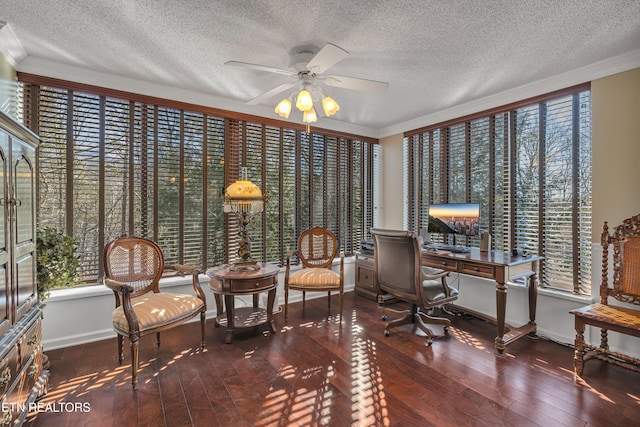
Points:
(329, 300)
(158, 339)
(604, 339)
(286, 302)
(120, 345)
(134, 364)
(304, 294)
(341, 294)
(202, 328)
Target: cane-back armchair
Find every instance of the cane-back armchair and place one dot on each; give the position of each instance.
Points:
(317, 248)
(133, 267)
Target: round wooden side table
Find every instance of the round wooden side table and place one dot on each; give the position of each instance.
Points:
(229, 284)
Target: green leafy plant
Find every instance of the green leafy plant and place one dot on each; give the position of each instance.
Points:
(57, 262)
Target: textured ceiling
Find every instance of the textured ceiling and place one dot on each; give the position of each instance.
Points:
(435, 55)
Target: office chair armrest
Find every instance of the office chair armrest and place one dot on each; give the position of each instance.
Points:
(195, 272)
(433, 276)
(442, 276)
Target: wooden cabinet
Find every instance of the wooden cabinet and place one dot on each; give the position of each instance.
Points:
(364, 280)
(22, 377)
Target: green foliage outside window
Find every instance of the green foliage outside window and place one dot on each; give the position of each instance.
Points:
(56, 260)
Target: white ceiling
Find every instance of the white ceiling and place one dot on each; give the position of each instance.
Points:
(440, 58)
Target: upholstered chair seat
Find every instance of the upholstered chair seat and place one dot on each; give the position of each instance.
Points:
(157, 311)
(315, 278)
(433, 292)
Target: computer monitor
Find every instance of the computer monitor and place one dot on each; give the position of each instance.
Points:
(454, 218)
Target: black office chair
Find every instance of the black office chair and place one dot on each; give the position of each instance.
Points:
(397, 270)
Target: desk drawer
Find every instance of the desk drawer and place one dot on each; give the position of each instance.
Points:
(365, 277)
(486, 271)
(248, 285)
(443, 264)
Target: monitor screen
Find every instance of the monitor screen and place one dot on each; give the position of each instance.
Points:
(455, 218)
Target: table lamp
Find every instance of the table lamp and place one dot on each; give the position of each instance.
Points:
(244, 199)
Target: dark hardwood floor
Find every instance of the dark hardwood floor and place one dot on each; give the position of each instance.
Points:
(315, 371)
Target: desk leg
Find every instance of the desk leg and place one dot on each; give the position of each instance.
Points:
(501, 308)
(271, 298)
(229, 305)
(219, 307)
(533, 298)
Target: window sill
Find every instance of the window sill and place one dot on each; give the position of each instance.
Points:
(567, 296)
(98, 290)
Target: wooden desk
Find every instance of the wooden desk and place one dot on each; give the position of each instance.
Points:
(501, 267)
(229, 284)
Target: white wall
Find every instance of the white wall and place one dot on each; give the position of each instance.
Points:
(80, 315)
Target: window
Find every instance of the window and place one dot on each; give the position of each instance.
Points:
(529, 167)
(116, 163)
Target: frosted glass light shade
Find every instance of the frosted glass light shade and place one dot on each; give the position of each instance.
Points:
(330, 106)
(310, 116)
(283, 109)
(304, 101)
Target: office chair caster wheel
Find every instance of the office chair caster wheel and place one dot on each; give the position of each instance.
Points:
(384, 317)
(446, 329)
(429, 342)
(386, 333)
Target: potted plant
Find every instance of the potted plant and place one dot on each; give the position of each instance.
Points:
(57, 263)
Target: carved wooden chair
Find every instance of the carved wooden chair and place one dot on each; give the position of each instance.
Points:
(398, 271)
(133, 267)
(317, 248)
(625, 242)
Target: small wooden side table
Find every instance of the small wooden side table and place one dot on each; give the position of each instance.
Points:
(229, 284)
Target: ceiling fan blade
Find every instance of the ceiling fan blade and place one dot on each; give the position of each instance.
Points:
(355, 83)
(270, 93)
(326, 58)
(262, 68)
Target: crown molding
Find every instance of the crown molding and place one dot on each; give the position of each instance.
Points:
(48, 68)
(614, 65)
(10, 45)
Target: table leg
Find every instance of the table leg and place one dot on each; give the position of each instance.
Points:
(229, 305)
(501, 308)
(219, 307)
(271, 297)
(533, 298)
(578, 355)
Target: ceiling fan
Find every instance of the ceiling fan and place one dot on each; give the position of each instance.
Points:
(307, 66)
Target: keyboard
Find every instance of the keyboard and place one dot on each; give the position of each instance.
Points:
(446, 247)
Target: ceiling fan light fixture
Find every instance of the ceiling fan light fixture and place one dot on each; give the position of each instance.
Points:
(304, 102)
(330, 106)
(283, 109)
(310, 116)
